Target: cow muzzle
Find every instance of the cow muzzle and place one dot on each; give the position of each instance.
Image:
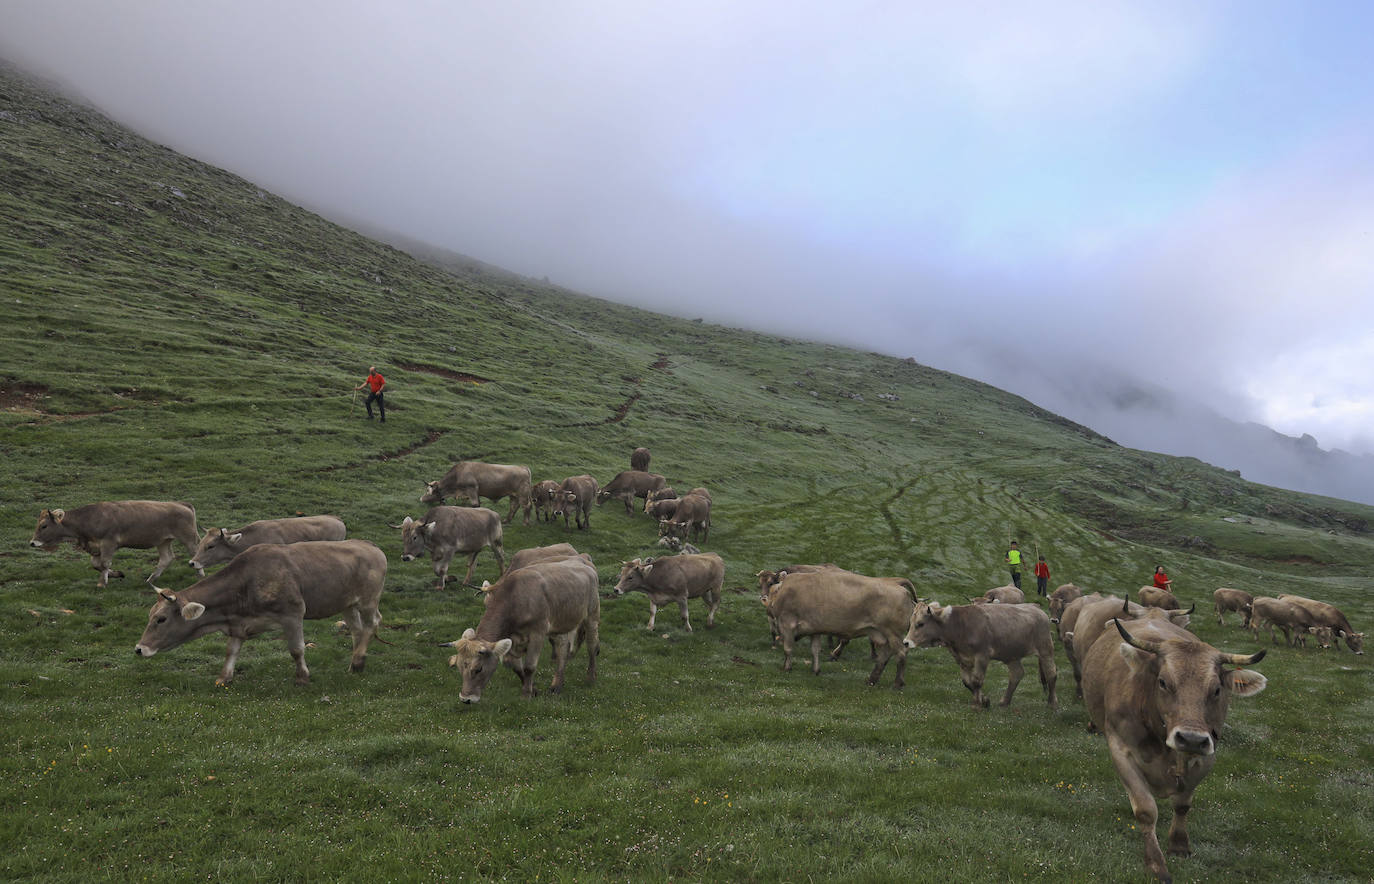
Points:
(144, 650)
(1194, 742)
(407, 558)
(908, 643)
(467, 699)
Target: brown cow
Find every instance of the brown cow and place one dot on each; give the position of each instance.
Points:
(551, 553)
(978, 634)
(660, 508)
(628, 485)
(675, 579)
(691, 517)
(474, 480)
(1329, 615)
(275, 586)
(576, 495)
(446, 530)
(1154, 597)
(1161, 698)
(1068, 621)
(1060, 598)
(101, 528)
(639, 460)
(844, 604)
(542, 496)
(1232, 600)
(1005, 595)
(769, 579)
(1291, 618)
(557, 601)
(664, 493)
(220, 545)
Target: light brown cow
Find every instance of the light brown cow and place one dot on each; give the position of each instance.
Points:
(660, 508)
(847, 605)
(1161, 698)
(1329, 615)
(220, 545)
(978, 634)
(542, 495)
(551, 553)
(1096, 618)
(1292, 619)
(555, 601)
(1060, 598)
(769, 579)
(1154, 597)
(639, 459)
(576, 495)
(629, 484)
(1004, 595)
(690, 518)
(664, 493)
(1067, 623)
(446, 530)
(99, 529)
(1232, 600)
(675, 579)
(275, 586)
(472, 480)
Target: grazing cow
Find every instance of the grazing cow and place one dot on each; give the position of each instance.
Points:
(639, 460)
(219, 545)
(576, 495)
(474, 480)
(1232, 600)
(446, 530)
(101, 528)
(534, 554)
(664, 493)
(1005, 595)
(979, 634)
(275, 586)
(660, 508)
(1154, 597)
(844, 604)
(555, 600)
(1330, 616)
(691, 517)
(542, 496)
(628, 485)
(1292, 619)
(1060, 598)
(675, 579)
(1160, 695)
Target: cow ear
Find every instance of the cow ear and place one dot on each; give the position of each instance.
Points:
(428, 528)
(235, 538)
(192, 610)
(1137, 659)
(1243, 682)
(469, 634)
(502, 647)
(942, 614)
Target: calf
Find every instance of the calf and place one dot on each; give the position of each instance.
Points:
(979, 634)
(628, 485)
(1160, 696)
(474, 480)
(446, 530)
(555, 601)
(219, 545)
(275, 586)
(542, 496)
(576, 495)
(99, 529)
(1227, 600)
(664, 493)
(675, 579)
(1291, 619)
(840, 603)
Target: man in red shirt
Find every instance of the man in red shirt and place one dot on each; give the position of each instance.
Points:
(376, 384)
(1042, 577)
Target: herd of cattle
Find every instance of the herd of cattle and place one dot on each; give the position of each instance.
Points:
(1156, 691)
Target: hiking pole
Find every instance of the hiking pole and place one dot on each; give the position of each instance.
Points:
(354, 407)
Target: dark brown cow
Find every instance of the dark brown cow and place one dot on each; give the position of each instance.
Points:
(542, 495)
(220, 545)
(844, 604)
(1154, 597)
(628, 485)
(1232, 600)
(1060, 598)
(576, 495)
(978, 634)
(472, 480)
(555, 600)
(101, 528)
(1329, 615)
(551, 553)
(275, 586)
(446, 530)
(1161, 698)
(639, 460)
(675, 579)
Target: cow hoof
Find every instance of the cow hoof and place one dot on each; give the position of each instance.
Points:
(302, 682)
(986, 702)
(357, 667)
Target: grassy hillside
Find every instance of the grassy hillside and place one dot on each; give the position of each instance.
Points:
(174, 332)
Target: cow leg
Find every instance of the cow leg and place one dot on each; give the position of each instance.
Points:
(528, 665)
(712, 603)
(1179, 845)
(164, 558)
(562, 649)
(682, 606)
(787, 641)
(231, 656)
(294, 631)
(1143, 807)
(900, 650)
(190, 539)
(101, 559)
(362, 625)
(1015, 672)
(472, 561)
(441, 571)
(1049, 676)
(816, 654)
(653, 612)
(591, 637)
(1221, 621)
(974, 676)
(500, 552)
(884, 653)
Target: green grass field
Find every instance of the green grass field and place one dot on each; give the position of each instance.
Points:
(173, 332)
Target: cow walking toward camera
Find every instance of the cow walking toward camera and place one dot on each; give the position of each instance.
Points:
(99, 529)
(275, 586)
(576, 495)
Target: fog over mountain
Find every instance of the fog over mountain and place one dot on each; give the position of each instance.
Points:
(1154, 218)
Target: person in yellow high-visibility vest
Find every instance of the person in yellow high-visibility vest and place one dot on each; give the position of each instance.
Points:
(1014, 562)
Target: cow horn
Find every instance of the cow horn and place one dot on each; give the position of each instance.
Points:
(1191, 609)
(1126, 606)
(166, 594)
(1152, 647)
(1243, 659)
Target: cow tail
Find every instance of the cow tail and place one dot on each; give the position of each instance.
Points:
(910, 588)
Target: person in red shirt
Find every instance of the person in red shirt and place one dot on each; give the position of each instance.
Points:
(375, 384)
(1042, 577)
(1161, 579)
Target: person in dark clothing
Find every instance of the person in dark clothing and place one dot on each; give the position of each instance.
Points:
(1042, 577)
(376, 385)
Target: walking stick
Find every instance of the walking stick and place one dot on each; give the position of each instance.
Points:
(354, 407)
